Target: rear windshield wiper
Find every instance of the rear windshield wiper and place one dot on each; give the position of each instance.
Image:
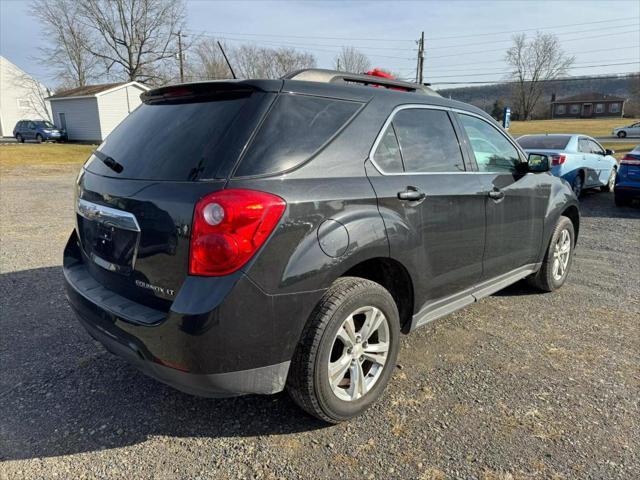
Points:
(109, 161)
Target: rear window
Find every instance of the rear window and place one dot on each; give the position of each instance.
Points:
(544, 142)
(295, 129)
(178, 141)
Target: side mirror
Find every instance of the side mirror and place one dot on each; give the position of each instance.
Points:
(608, 151)
(538, 163)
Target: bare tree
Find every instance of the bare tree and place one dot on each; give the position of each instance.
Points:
(351, 60)
(260, 62)
(66, 39)
(136, 37)
(207, 62)
(532, 63)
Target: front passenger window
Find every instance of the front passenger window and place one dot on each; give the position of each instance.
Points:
(493, 152)
(595, 148)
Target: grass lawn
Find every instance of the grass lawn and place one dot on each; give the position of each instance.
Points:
(45, 154)
(600, 127)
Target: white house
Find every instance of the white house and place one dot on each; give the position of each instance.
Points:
(21, 97)
(90, 113)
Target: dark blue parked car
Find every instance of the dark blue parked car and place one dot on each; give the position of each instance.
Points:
(38, 130)
(628, 179)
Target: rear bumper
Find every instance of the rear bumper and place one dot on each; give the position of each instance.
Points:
(241, 344)
(261, 380)
(627, 189)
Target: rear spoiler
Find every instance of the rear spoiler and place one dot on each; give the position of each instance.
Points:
(200, 91)
(333, 76)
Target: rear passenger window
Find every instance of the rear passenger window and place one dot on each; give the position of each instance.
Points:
(387, 155)
(493, 152)
(296, 127)
(428, 142)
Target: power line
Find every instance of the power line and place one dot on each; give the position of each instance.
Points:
(628, 47)
(298, 46)
(565, 79)
(637, 62)
(406, 40)
(465, 70)
(305, 49)
(502, 49)
(505, 40)
(234, 37)
(529, 29)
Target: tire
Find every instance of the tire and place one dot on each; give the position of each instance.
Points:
(611, 182)
(546, 278)
(578, 184)
(39, 138)
(308, 383)
(622, 134)
(621, 201)
(19, 138)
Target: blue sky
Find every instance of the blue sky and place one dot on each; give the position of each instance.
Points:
(463, 38)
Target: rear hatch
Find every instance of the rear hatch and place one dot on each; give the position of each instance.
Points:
(136, 195)
(629, 169)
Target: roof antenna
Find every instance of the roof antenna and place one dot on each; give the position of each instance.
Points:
(227, 60)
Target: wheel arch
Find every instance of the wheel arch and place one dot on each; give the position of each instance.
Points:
(393, 276)
(573, 214)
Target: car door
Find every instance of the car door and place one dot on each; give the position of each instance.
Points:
(602, 163)
(516, 201)
(634, 130)
(30, 131)
(428, 199)
(590, 162)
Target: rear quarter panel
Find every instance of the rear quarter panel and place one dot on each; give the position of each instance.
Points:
(331, 186)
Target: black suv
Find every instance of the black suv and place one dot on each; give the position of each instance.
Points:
(241, 237)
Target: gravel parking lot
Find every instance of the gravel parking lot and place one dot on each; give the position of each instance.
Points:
(520, 385)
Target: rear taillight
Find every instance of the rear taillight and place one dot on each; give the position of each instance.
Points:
(229, 226)
(630, 160)
(558, 159)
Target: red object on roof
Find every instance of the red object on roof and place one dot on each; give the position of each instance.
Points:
(380, 73)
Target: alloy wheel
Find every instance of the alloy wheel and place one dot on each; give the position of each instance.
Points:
(561, 254)
(359, 353)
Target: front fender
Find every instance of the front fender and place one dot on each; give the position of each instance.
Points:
(561, 200)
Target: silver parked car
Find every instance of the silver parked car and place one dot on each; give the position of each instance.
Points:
(632, 130)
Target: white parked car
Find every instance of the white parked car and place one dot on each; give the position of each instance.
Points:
(632, 130)
(579, 159)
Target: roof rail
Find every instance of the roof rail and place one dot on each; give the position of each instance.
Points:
(334, 76)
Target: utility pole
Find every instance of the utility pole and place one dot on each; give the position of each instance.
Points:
(180, 57)
(420, 66)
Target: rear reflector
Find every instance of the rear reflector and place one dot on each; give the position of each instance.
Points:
(229, 226)
(558, 159)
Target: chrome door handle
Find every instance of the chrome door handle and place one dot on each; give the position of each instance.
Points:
(411, 194)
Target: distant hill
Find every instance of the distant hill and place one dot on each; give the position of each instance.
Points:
(484, 96)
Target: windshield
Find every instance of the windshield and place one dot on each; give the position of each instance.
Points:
(44, 124)
(178, 140)
(544, 142)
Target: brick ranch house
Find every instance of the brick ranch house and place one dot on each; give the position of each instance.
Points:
(587, 105)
